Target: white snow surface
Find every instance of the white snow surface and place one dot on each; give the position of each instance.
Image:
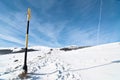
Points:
(92, 63)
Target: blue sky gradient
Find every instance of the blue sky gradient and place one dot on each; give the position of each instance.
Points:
(58, 23)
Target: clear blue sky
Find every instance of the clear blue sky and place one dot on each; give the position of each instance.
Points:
(58, 23)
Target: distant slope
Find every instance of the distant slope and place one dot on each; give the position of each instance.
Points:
(5, 51)
(73, 48)
(8, 51)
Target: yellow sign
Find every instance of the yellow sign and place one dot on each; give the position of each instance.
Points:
(28, 14)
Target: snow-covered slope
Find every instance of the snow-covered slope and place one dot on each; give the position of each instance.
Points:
(92, 63)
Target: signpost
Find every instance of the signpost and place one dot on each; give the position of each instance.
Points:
(26, 44)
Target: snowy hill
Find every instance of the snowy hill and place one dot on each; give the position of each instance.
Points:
(92, 63)
(73, 47)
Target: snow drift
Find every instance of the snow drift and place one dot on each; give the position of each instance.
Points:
(92, 63)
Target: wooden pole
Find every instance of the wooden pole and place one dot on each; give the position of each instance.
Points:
(26, 44)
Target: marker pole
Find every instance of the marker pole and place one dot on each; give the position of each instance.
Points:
(26, 44)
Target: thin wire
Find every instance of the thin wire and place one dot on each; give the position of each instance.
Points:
(99, 23)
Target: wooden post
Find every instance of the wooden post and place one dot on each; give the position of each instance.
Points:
(26, 44)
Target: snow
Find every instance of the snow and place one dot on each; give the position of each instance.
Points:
(92, 63)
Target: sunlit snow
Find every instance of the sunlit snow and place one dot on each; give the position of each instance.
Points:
(91, 63)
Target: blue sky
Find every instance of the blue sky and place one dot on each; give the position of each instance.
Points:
(58, 23)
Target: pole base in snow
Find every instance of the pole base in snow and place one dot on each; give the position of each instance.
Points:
(25, 68)
(23, 75)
